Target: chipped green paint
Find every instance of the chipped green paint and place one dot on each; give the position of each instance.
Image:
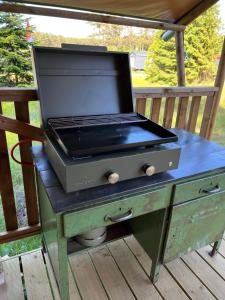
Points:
(196, 188)
(195, 224)
(175, 229)
(91, 218)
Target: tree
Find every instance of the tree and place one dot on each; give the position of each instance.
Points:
(202, 44)
(122, 38)
(15, 60)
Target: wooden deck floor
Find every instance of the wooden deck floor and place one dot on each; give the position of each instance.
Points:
(117, 271)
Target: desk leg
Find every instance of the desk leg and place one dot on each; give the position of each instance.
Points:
(216, 247)
(63, 279)
(149, 230)
(63, 270)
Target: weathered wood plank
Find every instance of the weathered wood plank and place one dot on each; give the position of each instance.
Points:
(86, 277)
(141, 105)
(180, 58)
(53, 283)
(13, 280)
(22, 114)
(174, 92)
(181, 121)
(132, 271)
(206, 274)
(207, 115)
(168, 112)
(222, 248)
(155, 109)
(23, 232)
(6, 186)
(217, 262)
(193, 114)
(73, 291)
(22, 94)
(18, 94)
(2, 275)
(189, 282)
(166, 285)
(19, 127)
(219, 83)
(35, 276)
(113, 281)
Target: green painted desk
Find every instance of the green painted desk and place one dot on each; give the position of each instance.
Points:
(180, 211)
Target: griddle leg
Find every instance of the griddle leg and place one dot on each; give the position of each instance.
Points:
(216, 247)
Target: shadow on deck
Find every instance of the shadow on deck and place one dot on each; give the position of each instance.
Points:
(117, 271)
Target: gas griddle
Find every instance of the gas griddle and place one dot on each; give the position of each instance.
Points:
(93, 135)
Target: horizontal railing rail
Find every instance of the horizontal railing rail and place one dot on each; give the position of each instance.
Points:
(174, 106)
(185, 114)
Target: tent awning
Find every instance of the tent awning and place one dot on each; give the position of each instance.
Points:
(172, 11)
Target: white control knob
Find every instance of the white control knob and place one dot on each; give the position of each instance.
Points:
(113, 177)
(149, 170)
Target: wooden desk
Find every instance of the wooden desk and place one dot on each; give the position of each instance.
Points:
(180, 211)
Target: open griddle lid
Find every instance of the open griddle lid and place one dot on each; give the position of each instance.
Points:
(80, 83)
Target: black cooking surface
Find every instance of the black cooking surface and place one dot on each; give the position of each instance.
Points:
(83, 139)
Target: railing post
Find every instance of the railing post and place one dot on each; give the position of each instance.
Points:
(180, 58)
(219, 82)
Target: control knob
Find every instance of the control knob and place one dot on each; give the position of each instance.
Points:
(113, 177)
(149, 170)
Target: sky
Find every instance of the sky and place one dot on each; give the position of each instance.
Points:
(78, 29)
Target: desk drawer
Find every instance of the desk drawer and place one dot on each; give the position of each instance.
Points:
(199, 188)
(195, 224)
(103, 215)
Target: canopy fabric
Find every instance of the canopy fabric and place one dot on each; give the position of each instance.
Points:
(163, 10)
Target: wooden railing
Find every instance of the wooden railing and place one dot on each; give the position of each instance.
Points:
(179, 106)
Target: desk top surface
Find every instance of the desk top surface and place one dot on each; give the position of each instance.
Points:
(198, 157)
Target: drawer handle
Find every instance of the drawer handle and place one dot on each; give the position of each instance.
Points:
(120, 218)
(214, 190)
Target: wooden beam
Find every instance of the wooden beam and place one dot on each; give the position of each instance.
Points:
(20, 127)
(196, 12)
(18, 94)
(21, 94)
(190, 16)
(92, 17)
(219, 83)
(13, 235)
(180, 58)
(174, 92)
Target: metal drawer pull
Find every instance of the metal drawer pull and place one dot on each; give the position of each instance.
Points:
(214, 190)
(120, 218)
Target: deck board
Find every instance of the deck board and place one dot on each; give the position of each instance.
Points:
(132, 271)
(206, 274)
(35, 276)
(118, 270)
(87, 279)
(12, 274)
(166, 285)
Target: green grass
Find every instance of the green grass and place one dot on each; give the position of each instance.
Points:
(138, 80)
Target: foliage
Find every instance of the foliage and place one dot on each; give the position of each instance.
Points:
(114, 37)
(202, 45)
(123, 38)
(15, 62)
